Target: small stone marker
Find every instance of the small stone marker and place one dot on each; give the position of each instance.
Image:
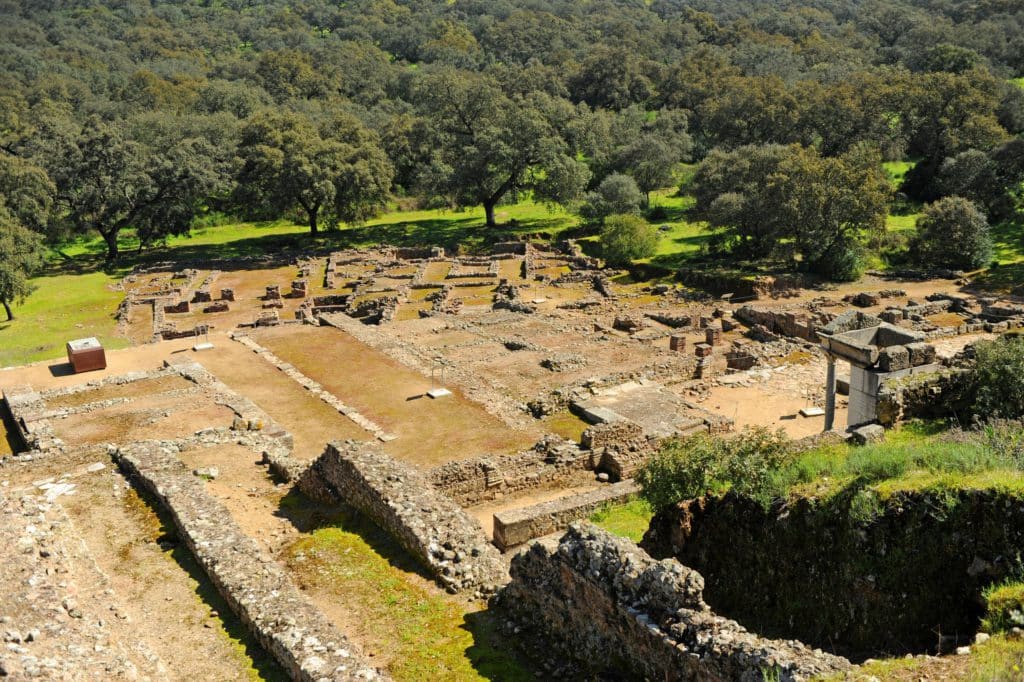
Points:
(438, 393)
(812, 412)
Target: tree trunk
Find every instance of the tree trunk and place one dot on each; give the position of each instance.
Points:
(112, 248)
(489, 211)
(313, 227)
(7, 309)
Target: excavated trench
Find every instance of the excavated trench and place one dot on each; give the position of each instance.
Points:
(851, 574)
(11, 441)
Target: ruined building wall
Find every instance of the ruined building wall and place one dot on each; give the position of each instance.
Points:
(485, 478)
(299, 636)
(897, 571)
(933, 395)
(602, 602)
(401, 501)
(515, 527)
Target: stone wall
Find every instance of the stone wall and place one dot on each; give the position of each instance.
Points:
(602, 602)
(517, 526)
(932, 395)
(788, 323)
(401, 501)
(858, 571)
(552, 460)
(302, 640)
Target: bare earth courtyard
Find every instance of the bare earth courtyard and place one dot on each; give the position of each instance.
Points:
(134, 499)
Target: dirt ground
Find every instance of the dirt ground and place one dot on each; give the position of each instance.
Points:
(311, 422)
(430, 432)
(151, 418)
(154, 586)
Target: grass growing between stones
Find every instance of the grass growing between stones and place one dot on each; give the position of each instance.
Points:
(413, 629)
(629, 520)
(920, 456)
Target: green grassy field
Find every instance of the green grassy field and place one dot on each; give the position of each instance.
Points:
(897, 170)
(64, 306)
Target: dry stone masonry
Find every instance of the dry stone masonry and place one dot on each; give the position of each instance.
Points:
(519, 526)
(401, 501)
(303, 641)
(602, 602)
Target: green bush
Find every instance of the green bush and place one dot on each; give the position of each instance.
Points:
(953, 233)
(1004, 606)
(999, 378)
(626, 238)
(703, 464)
(616, 194)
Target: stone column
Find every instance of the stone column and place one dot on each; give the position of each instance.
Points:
(830, 394)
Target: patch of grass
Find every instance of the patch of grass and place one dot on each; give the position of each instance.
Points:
(1004, 606)
(567, 425)
(630, 519)
(897, 171)
(1019, 82)
(902, 223)
(1000, 659)
(417, 632)
(64, 307)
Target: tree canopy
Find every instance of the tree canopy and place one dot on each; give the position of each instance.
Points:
(144, 114)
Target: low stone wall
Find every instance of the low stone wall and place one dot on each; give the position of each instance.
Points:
(302, 640)
(401, 501)
(933, 395)
(603, 603)
(788, 323)
(472, 481)
(518, 526)
(612, 434)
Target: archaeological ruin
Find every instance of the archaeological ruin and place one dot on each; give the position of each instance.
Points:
(318, 388)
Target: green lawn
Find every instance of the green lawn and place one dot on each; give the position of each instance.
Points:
(630, 519)
(64, 307)
(902, 223)
(1018, 81)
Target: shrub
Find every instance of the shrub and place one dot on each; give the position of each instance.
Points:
(1004, 606)
(616, 194)
(702, 464)
(999, 378)
(626, 238)
(844, 262)
(953, 233)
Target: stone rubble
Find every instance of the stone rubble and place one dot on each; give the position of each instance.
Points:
(592, 593)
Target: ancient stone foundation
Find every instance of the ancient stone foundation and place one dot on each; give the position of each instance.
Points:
(302, 640)
(518, 526)
(403, 502)
(551, 460)
(604, 603)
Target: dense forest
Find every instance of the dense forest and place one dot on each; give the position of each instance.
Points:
(142, 115)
